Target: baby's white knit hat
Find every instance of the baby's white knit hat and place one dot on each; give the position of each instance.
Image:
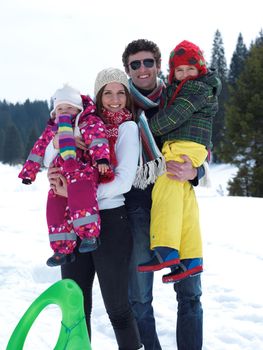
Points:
(68, 95)
(110, 75)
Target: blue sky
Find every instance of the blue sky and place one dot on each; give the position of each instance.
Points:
(47, 43)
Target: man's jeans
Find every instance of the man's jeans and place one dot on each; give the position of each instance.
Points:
(141, 284)
(189, 330)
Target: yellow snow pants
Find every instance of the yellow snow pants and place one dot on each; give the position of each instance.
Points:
(175, 213)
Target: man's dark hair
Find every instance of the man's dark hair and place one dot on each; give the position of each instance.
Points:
(141, 45)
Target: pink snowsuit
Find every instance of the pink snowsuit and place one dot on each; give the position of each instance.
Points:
(79, 213)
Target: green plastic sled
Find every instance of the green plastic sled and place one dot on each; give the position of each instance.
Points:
(73, 333)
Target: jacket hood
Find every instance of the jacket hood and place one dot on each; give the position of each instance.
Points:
(212, 79)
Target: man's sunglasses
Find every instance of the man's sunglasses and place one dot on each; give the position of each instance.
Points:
(147, 62)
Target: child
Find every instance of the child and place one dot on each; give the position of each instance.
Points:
(185, 125)
(78, 214)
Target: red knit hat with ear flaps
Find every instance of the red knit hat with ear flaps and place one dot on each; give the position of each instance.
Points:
(186, 53)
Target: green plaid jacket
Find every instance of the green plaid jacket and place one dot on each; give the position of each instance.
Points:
(190, 117)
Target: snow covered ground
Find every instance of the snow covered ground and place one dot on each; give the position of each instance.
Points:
(232, 280)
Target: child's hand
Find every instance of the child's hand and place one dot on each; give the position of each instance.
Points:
(56, 142)
(103, 168)
(80, 143)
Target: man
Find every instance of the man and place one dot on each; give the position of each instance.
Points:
(142, 62)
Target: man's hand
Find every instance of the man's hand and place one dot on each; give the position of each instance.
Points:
(181, 171)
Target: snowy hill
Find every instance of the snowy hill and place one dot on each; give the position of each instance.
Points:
(232, 291)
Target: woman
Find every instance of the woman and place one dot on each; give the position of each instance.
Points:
(111, 260)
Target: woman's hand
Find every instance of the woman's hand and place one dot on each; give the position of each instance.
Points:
(52, 173)
(61, 187)
(181, 171)
(57, 182)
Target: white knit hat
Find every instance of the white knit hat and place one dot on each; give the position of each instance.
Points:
(68, 95)
(110, 75)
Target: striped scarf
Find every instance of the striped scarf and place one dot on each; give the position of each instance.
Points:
(149, 101)
(151, 162)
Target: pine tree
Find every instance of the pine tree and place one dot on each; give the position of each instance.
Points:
(37, 113)
(218, 62)
(20, 119)
(237, 64)
(5, 115)
(24, 116)
(259, 39)
(2, 140)
(33, 136)
(13, 146)
(163, 77)
(5, 121)
(244, 125)
(237, 61)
